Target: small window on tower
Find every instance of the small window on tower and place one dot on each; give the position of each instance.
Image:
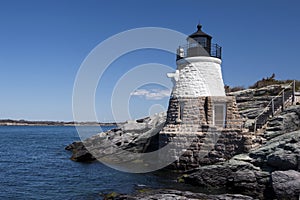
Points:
(181, 111)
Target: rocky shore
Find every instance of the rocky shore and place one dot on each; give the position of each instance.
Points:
(270, 170)
(132, 136)
(178, 195)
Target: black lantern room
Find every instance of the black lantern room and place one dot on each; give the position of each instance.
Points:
(199, 38)
(199, 44)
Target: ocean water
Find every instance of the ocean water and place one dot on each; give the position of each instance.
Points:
(34, 165)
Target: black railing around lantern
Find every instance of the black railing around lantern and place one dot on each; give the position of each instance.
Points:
(196, 49)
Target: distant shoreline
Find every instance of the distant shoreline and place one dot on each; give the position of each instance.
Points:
(10, 122)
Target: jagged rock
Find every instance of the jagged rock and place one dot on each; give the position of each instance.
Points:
(180, 195)
(138, 127)
(80, 153)
(280, 153)
(74, 145)
(251, 102)
(243, 157)
(287, 121)
(271, 90)
(283, 160)
(234, 175)
(132, 136)
(82, 156)
(286, 184)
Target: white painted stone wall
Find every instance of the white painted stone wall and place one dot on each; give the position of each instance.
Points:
(198, 76)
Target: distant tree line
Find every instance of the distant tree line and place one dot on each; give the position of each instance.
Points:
(53, 123)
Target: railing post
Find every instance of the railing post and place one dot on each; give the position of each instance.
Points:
(294, 90)
(273, 108)
(254, 128)
(283, 101)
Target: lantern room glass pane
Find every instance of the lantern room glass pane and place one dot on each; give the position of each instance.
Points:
(202, 41)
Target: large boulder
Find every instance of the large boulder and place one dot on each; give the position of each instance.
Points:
(79, 152)
(234, 176)
(286, 184)
(280, 153)
(287, 121)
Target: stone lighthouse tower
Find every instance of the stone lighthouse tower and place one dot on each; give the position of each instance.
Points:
(203, 124)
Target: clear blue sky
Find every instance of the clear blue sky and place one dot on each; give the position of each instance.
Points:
(43, 43)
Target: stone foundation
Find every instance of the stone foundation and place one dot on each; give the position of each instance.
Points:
(195, 136)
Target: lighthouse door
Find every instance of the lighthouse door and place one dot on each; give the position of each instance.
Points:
(219, 115)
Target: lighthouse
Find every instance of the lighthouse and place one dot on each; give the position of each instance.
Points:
(198, 96)
(203, 124)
